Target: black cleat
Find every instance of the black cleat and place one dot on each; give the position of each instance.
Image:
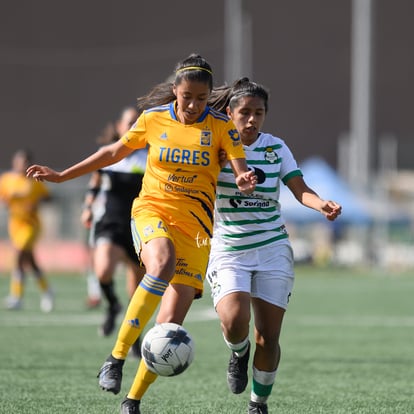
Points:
(237, 372)
(110, 375)
(129, 406)
(257, 408)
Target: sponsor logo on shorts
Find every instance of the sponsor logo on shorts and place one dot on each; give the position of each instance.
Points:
(214, 285)
(181, 269)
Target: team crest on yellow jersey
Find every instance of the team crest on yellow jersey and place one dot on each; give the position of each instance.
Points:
(205, 139)
(270, 155)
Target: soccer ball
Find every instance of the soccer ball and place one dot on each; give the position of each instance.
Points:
(167, 349)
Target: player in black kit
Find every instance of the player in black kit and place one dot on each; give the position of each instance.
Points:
(107, 212)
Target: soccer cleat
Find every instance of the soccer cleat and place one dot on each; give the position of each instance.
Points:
(12, 303)
(257, 408)
(47, 301)
(237, 372)
(110, 375)
(109, 323)
(129, 406)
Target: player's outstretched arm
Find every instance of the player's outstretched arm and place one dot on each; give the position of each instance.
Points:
(306, 196)
(104, 156)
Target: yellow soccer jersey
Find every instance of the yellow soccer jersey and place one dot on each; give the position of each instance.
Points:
(182, 164)
(22, 196)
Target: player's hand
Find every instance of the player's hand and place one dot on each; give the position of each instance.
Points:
(43, 173)
(86, 218)
(247, 182)
(331, 210)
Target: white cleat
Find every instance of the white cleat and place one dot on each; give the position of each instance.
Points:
(47, 302)
(12, 303)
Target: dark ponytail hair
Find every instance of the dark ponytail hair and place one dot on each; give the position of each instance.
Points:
(192, 68)
(229, 96)
(160, 94)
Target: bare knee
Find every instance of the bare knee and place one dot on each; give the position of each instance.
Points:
(234, 313)
(235, 329)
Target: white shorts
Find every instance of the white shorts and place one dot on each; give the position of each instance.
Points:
(266, 273)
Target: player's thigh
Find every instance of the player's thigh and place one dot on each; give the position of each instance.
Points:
(23, 235)
(106, 256)
(233, 310)
(158, 257)
(154, 244)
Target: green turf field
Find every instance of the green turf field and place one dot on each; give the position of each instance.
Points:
(347, 347)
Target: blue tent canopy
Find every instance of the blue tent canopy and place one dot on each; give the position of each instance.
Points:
(328, 184)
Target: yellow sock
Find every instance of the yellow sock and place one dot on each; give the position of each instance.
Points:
(143, 379)
(43, 285)
(141, 307)
(16, 284)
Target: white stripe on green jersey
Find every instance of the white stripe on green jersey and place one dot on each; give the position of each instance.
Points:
(245, 222)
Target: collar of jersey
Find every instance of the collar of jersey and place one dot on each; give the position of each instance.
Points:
(174, 115)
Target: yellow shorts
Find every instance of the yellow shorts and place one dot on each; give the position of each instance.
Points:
(191, 252)
(23, 235)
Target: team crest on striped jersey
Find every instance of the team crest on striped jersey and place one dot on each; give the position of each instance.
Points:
(205, 139)
(270, 155)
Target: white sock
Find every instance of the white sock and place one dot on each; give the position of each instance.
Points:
(93, 288)
(240, 348)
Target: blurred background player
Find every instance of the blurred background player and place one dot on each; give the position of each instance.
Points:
(22, 196)
(107, 212)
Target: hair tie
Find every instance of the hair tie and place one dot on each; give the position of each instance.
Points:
(194, 68)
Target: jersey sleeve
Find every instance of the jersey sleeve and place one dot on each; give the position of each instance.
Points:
(136, 136)
(289, 166)
(231, 142)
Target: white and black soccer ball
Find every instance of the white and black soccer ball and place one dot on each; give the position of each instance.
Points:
(167, 349)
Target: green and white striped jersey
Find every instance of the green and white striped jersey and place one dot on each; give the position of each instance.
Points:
(243, 221)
